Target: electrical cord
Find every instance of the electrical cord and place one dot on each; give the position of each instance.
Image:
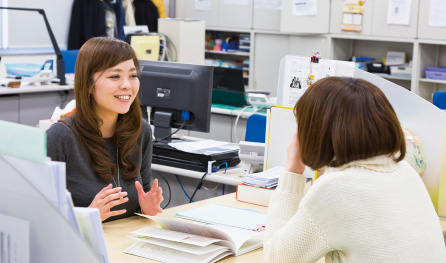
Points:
(168, 187)
(182, 125)
(238, 117)
(181, 185)
(173, 46)
(197, 186)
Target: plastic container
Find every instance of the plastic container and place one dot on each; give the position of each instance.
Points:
(27, 69)
(436, 73)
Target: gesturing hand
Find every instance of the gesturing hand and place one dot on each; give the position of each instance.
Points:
(294, 162)
(150, 201)
(107, 198)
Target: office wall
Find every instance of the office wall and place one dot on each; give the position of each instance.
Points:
(27, 29)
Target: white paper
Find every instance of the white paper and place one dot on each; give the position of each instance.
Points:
(304, 8)
(202, 5)
(347, 19)
(206, 147)
(233, 217)
(357, 19)
(395, 58)
(38, 174)
(90, 224)
(169, 255)
(398, 12)
(180, 245)
(268, 4)
(437, 11)
(14, 240)
(232, 237)
(299, 70)
(236, 2)
(176, 236)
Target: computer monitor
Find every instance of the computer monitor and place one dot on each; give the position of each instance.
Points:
(228, 87)
(179, 96)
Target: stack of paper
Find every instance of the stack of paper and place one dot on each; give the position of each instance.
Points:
(90, 225)
(205, 147)
(190, 242)
(266, 179)
(248, 219)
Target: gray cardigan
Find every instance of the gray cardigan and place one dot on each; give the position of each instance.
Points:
(82, 182)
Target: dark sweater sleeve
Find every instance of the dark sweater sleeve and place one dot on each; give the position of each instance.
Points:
(146, 150)
(59, 142)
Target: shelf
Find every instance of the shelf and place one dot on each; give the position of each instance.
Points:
(437, 81)
(394, 77)
(372, 38)
(228, 29)
(389, 77)
(230, 53)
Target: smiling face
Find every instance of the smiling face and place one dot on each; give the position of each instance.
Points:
(115, 89)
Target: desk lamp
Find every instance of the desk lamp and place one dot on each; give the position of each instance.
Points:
(60, 61)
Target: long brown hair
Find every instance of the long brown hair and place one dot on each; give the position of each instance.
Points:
(97, 55)
(341, 120)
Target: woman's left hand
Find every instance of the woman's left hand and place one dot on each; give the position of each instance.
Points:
(150, 202)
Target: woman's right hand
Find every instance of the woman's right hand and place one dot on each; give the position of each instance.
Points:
(107, 198)
(294, 163)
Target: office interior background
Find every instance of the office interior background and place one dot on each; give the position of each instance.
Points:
(265, 30)
(402, 41)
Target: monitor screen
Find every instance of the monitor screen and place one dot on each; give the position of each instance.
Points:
(228, 87)
(179, 96)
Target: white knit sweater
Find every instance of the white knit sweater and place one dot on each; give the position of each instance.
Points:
(367, 211)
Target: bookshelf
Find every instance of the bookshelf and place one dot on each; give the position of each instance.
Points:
(276, 33)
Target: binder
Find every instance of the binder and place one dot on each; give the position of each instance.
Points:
(24, 194)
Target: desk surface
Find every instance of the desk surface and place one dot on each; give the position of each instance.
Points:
(116, 232)
(233, 175)
(34, 89)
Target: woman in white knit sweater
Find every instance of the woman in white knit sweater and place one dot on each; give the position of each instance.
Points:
(369, 206)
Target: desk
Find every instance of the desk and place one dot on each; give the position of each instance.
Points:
(29, 104)
(219, 177)
(116, 232)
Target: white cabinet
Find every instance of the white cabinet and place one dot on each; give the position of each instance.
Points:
(9, 108)
(186, 9)
(266, 19)
(235, 15)
(218, 13)
(424, 30)
(381, 28)
(336, 15)
(310, 24)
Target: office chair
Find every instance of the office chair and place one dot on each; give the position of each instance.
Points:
(255, 128)
(69, 56)
(439, 99)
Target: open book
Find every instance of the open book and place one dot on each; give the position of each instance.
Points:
(181, 241)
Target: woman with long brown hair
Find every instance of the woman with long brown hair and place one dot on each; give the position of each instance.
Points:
(369, 205)
(106, 144)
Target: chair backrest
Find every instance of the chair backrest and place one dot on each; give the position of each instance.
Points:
(439, 99)
(69, 56)
(255, 128)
